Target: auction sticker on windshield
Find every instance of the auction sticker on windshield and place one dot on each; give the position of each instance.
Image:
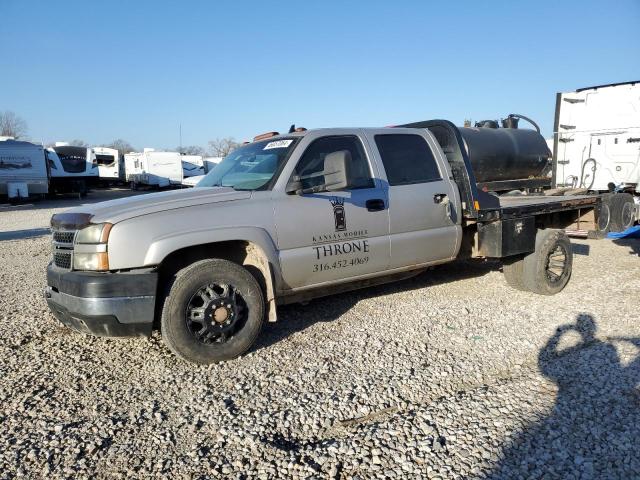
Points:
(277, 144)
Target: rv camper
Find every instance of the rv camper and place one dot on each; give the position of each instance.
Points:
(23, 169)
(192, 165)
(210, 162)
(73, 169)
(154, 169)
(110, 165)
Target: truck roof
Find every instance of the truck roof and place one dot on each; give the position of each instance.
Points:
(607, 85)
(329, 130)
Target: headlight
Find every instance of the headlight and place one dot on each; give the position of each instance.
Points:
(96, 262)
(90, 250)
(98, 233)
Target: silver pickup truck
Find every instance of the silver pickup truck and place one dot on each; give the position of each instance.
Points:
(287, 218)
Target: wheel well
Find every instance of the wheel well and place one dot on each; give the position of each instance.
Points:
(242, 252)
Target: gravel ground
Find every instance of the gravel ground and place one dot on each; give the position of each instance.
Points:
(447, 375)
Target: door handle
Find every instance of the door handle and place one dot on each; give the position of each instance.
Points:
(375, 204)
(439, 197)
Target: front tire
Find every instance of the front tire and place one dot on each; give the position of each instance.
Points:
(214, 312)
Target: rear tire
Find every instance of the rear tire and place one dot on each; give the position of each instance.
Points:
(622, 211)
(214, 312)
(513, 269)
(603, 215)
(547, 270)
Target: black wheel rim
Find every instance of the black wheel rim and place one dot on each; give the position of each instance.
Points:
(627, 214)
(603, 217)
(556, 268)
(215, 313)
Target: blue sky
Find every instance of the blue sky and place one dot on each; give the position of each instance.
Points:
(136, 70)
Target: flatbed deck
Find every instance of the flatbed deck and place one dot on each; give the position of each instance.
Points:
(527, 205)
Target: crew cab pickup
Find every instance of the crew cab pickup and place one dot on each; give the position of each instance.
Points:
(292, 217)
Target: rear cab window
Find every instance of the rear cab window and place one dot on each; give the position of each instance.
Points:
(407, 159)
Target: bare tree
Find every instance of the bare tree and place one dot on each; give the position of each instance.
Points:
(221, 147)
(191, 150)
(121, 145)
(78, 143)
(11, 125)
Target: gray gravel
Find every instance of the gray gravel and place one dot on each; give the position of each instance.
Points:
(448, 375)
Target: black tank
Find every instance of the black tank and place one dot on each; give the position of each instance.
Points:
(500, 154)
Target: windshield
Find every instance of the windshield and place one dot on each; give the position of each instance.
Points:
(251, 167)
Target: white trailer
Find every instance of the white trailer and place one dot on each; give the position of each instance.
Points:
(192, 165)
(73, 169)
(23, 169)
(155, 169)
(597, 146)
(110, 164)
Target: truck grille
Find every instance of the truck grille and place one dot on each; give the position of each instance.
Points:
(63, 248)
(63, 236)
(62, 260)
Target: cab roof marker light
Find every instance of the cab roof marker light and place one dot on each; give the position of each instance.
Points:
(264, 136)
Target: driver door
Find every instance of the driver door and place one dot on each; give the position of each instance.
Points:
(332, 236)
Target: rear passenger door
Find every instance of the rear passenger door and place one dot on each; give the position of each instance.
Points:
(423, 221)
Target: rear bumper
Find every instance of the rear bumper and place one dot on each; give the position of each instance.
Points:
(104, 304)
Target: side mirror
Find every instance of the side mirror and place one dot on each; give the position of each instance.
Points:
(337, 167)
(294, 187)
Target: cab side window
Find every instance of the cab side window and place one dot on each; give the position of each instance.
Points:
(407, 159)
(311, 164)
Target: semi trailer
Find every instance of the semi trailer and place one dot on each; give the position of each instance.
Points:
(597, 147)
(287, 218)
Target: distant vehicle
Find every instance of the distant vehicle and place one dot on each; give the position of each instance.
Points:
(110, 164)
(597, 146)
(192, 165)
(210, 162)
(23, 169)
(154, 169)
(73, 169)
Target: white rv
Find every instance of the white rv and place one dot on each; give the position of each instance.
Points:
(23, 169)
(73, 169)
(110, 164)
(192, 165)
(597, 145)
(155, 169)
(210, 162)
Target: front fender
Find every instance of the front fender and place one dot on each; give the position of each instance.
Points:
(163, 246)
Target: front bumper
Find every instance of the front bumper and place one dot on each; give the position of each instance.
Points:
(104, 304)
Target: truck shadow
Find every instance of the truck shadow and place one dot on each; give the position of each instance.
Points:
(297, 317)
(632, 243)
(593, 430)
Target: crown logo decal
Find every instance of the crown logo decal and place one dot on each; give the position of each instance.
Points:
(337, 201)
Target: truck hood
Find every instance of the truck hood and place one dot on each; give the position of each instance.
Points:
(115, 211)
